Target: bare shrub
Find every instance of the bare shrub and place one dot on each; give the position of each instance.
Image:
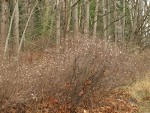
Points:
(71, 75)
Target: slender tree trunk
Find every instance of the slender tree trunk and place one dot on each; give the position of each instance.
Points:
(65, 17)
(4, 24)
(119, 28)
(16, 26)
(141, 13)
(82, 15)
(87, 16)
(58, 23)
(115, 21)
(124, 20)
(108, 19)
(51, 25)
(95, 18)
(68, 15)
(104, 19)
(147, 23)
(46, 17)
(130, 12)
(135, 19)
(75, 17)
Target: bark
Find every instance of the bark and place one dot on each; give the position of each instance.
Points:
(104, 18)
(82, 16)
(135, 19)
(124, 20)
(68, 17)
(130, 12)
(65, 16)
(87, 16)
(75, 17)
(16, 26)
(4, 24)
(141, 13)
(46, 17)
(108, 19)
(69, 9)
(58, 23)
(52, 24)
(95, 18)
(115, 21)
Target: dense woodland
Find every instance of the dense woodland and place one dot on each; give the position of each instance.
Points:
(74, 56)
(25, 24)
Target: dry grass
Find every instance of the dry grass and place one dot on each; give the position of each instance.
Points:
(67, 77)
(140, 90)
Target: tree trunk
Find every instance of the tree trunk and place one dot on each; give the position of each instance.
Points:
(115, 21)
(124, 20)
(108, 19)
(46, 17)
(82, 16)
(58, 23)
(75, 17)
(87, 16)
(130, 12)
(141, 13)
(51, 23)
(104, 18)
(68, 16)
(4, 23)
(16, 26)
(95, 18)
(135, 19)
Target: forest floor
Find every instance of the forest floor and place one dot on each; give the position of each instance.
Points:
(114, 102)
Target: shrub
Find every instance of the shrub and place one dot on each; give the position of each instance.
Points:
(71, 75)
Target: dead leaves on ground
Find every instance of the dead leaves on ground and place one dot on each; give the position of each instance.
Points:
(113, 103)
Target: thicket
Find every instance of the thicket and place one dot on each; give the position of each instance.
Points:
(64, 79)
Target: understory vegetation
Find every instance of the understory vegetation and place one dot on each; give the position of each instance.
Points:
(91, 75)
(74, 56)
